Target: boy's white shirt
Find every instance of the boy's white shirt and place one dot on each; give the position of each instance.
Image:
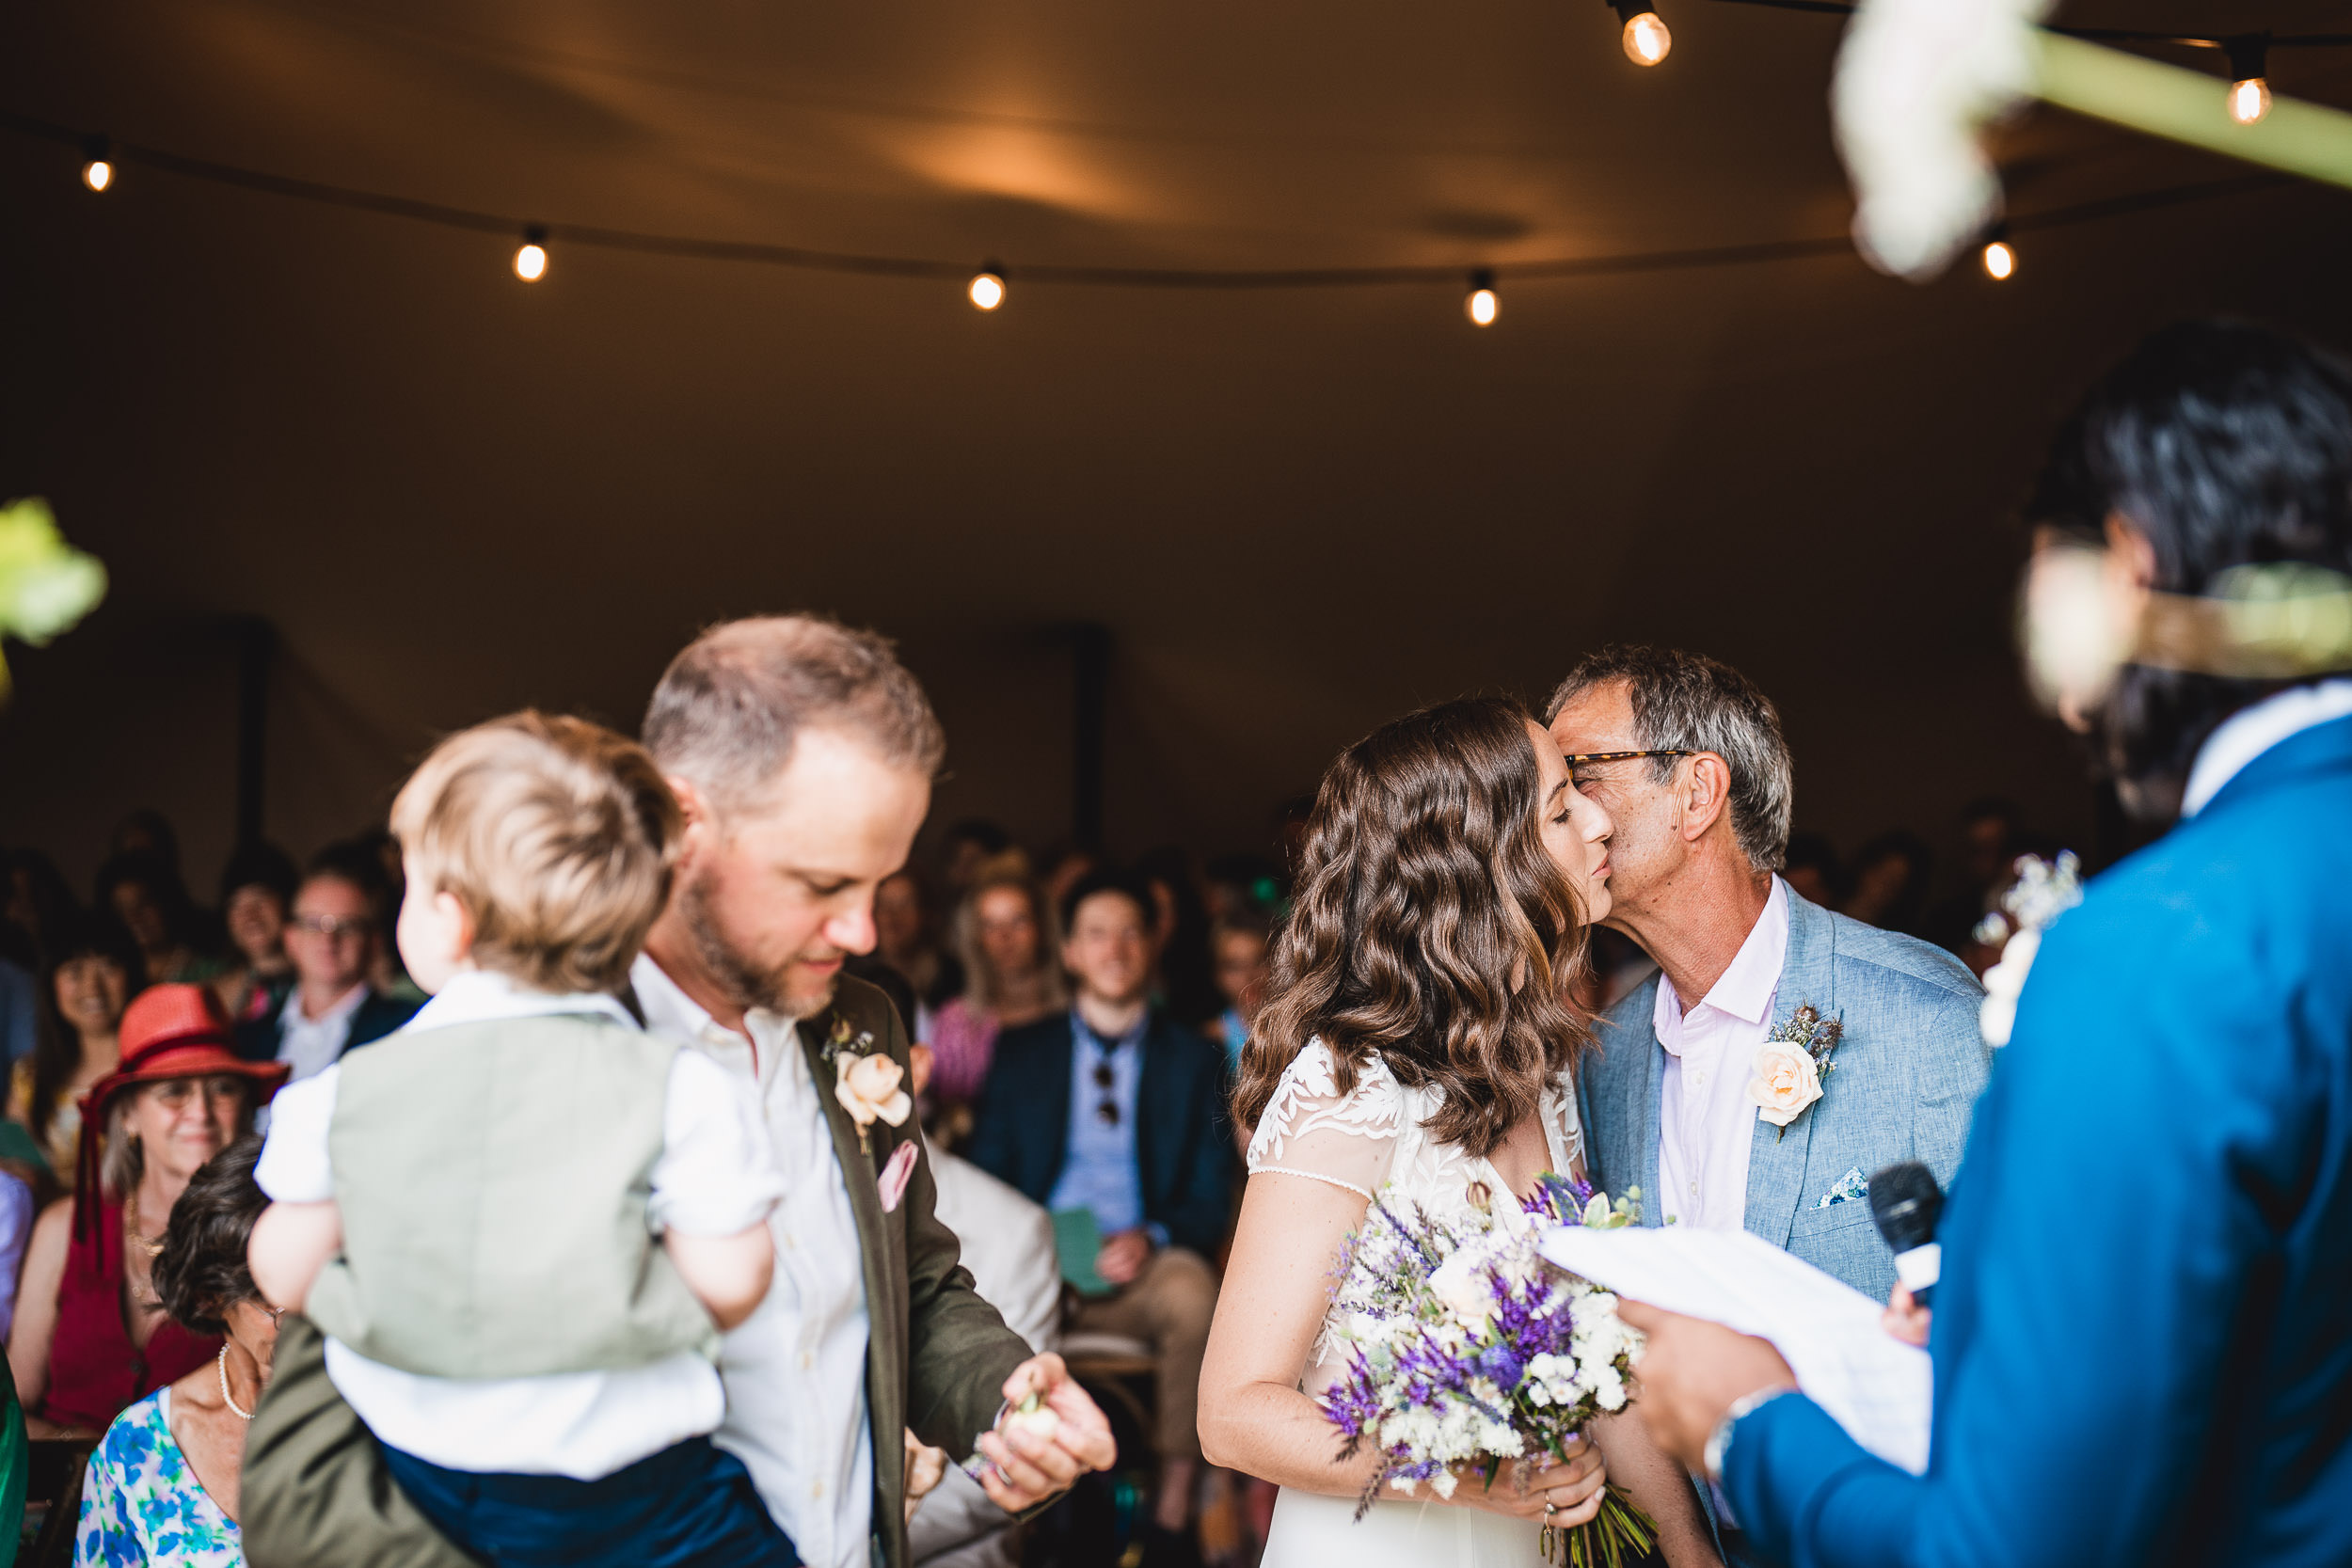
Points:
(715, 1177)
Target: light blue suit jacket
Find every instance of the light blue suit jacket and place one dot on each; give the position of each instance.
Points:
(1907, 1076)
(2143, 1335)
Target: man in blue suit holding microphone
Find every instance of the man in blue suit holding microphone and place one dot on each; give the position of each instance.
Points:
(2142, 1338)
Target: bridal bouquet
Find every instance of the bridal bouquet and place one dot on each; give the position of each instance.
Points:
(1465, 1350)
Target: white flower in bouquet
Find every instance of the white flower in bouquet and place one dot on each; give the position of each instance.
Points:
(1465, 1350)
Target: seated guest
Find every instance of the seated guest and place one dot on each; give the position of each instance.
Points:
(162, 1487)
(905, 938)
(1890, 882)
(257, 894)
(1114, 1109)
(94, 973)
(331, 1007)
(90, 1336)
(1237, 951)
(1005, 934)
(141, 888)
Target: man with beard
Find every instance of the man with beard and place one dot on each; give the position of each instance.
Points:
(801, 754)
(2142, 1353)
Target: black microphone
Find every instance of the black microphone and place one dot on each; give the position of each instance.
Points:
(1906, 1203)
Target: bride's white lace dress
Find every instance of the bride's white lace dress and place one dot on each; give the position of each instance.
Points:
(1374, 1134)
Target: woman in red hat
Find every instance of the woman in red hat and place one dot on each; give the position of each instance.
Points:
(90, 1336)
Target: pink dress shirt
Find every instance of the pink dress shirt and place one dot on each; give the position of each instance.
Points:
(1706, 1121)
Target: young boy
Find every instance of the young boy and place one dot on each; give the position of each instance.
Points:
(521, 1221)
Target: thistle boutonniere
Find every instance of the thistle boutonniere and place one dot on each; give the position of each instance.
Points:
(866, 1081)
(1792, 1064)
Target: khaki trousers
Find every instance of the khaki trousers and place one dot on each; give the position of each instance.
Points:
(1168, 1306)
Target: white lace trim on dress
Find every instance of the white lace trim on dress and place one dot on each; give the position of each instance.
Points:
(1373, 1109)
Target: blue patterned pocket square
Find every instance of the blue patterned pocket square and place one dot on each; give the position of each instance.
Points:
(1851, 1185)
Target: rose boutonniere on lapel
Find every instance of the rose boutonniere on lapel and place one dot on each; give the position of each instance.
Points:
(867, 1083)
(868, 1089)
(1792, 1064)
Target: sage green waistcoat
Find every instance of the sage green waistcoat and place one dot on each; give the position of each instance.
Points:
(493, 1179)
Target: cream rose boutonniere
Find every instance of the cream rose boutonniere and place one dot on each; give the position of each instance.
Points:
(1791, 1063)
(1787, 1081)
(868, 1089)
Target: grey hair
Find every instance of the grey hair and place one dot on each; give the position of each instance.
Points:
(731, 705)
(121, 1164)
(1688, 702)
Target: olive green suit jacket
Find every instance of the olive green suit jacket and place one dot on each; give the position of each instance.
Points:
(314, 1487)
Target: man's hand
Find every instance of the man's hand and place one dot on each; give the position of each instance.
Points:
(1692, 1373)
(1123, 1256)
(1025, 1468)
(1905, 1319)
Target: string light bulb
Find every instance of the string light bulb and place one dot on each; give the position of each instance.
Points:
(1482, 305)
(2000, 261)
(530, 261)
(2250, 89)
(99, 172)
(987, 287)
(1646, 37)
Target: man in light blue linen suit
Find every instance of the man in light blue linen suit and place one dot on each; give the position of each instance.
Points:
(1688, 757)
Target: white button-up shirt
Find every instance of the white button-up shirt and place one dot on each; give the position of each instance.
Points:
(795, 1370)
(312, 1045)
(1706, 1121)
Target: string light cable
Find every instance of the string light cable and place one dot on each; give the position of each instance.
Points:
(985, 288)
(2249, 97)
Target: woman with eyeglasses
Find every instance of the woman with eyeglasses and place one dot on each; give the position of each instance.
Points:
(90, 1335)
(162, 1481)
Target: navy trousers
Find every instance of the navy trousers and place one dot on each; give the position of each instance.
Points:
(690, 1506)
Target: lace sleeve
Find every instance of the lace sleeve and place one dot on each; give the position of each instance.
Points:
(1310, 1129)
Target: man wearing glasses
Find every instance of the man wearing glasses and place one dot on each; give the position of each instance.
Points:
(1114, 1112)
(1688, 757)
(331, 938)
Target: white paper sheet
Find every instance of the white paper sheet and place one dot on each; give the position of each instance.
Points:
(1879, 1390)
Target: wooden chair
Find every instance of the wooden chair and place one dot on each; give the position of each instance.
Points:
(53, 1500)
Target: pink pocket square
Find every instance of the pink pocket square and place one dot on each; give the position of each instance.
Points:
(899, 1172)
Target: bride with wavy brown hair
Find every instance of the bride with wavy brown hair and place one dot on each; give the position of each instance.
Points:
(1418, 1035)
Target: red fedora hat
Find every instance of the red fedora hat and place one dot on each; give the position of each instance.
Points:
(168, 1032)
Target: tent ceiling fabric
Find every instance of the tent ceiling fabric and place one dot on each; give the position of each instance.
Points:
(1298, 512)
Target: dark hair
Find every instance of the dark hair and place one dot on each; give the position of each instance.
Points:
(1431, 928)
(1186, 977)
(147, 830)
(258, 863)
(1107, 878)
(57, 1047)
(200, 1273)
(54, 904)
(2223, 445)
(1693, 703)
(353, 860)
(1902, 914)
(1816, 852)
(151, 870)
(992, 838)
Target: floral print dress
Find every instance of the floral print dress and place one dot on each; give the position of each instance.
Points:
(141, 1502)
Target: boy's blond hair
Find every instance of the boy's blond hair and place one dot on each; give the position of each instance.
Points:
(555, 833)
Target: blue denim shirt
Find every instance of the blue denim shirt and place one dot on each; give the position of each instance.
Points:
(1099, 1172)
